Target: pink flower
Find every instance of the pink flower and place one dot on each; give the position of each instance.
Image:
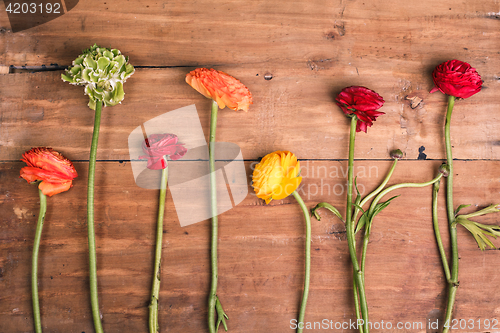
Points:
(159, 145)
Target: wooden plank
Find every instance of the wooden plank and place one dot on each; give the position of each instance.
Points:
(260, 254)
(347, 34)
(295, 113)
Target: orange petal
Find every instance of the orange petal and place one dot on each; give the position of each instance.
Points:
(50, 189)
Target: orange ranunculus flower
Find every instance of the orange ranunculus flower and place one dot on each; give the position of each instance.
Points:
(276, 176)
(221, 87)
(54, 170)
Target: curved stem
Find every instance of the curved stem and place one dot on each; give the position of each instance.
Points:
(453, 284)
(307, 276)
(376, 191)
(154, 327)
(212, 298)
(374, 203)
(398, 186)
(94, 300)
(435, 223)
(358, 274)
(34, 263)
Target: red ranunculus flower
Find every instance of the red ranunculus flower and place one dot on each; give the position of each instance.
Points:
(361, 102)
(54, 170)
(221, 87)
(159, 145)
(456, 78)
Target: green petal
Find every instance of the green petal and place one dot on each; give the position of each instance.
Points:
(108, 54)
(102, 63)
(89, 62)
(67, 78)
(86, 74)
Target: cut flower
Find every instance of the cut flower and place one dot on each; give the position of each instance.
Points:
(220, 87)
(276, 176)
(102, 71)
(54, 170)
(456, 78)
(159, 145)
(362, 103)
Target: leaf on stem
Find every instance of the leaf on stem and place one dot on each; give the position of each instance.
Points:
(327, 206)
(480, 231)
(367, 217)
(221, 315)
(362, 219)
(380, 206)
(460, 208)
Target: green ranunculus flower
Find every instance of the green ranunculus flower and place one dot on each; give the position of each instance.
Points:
(102, 71)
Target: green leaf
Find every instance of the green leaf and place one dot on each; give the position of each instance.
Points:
(380, 206)
(362, 220)
(460, 208)
(480, 231)
(329, 207)
(488, 210)
(221, 315)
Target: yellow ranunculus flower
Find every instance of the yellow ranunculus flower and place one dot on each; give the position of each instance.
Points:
(276, 176)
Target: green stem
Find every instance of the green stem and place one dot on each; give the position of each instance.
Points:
(34, 263)
(154, 327)
(212, 298)
(356, 301)
(94, 300)
(307, 276)
(453, 283)
(374, 204)
(376, 191)
(442, 253)
(358, 274)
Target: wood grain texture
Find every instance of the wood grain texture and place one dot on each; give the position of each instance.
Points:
(308, 51)
(295, 113)
(260, 254)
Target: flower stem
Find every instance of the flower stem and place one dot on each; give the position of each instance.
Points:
(154, 327)
(212, 298)
(94, 300)
(34, 263)
(358, 274)
(374, 204)
(453, 283)
(307, 275)
(376, 191)
(435, 223)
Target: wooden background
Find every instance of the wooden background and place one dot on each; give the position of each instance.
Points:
(310, 50)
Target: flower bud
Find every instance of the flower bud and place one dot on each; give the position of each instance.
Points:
(396, 154)
(444, 169)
